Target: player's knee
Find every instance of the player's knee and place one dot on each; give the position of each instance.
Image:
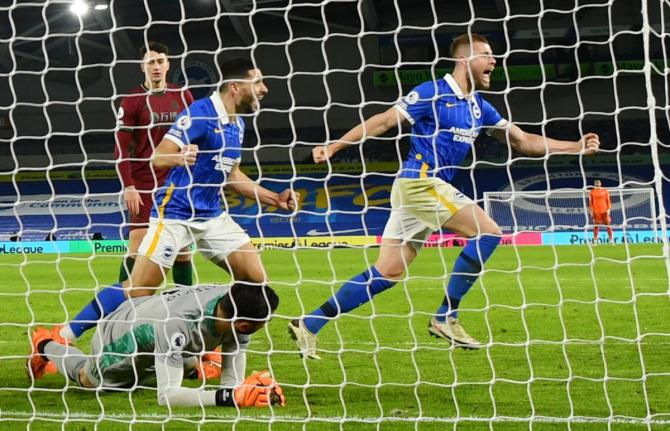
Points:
(391, 271)
(143, 283)
(135, 238)
(184, 255)
(146, 274)
(494, 230)
(183, 258)
(490, 228)
(249, 270)
(255, 275)
(394, 275)
(136, 292)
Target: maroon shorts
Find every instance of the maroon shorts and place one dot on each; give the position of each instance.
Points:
(141, 219)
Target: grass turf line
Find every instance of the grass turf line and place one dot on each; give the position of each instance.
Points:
(574, 332)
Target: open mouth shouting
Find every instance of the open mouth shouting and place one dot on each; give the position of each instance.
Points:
(487, 75)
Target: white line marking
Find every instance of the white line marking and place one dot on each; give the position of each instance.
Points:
(160, 418)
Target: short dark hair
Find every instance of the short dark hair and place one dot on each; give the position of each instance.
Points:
(153, 46)
(248, 301)
(465, 39)
(235, 68)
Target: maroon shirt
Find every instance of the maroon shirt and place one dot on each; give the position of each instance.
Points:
(143, 118)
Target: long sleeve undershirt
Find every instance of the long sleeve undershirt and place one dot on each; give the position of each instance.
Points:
(169, 378)
(170, 391)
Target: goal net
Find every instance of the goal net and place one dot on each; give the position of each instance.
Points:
(564, 210)
(573, 337)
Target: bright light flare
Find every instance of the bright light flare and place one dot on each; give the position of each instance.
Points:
(79, 7)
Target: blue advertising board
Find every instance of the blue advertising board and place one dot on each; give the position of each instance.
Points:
(344, 202)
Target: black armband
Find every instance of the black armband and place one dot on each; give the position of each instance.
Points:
(225, 397)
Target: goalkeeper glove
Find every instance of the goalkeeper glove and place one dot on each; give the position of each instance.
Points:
(209, 366)
(258, 390)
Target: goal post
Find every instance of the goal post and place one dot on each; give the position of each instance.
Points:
(567, 210)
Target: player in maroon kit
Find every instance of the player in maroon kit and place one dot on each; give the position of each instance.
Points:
(145, 115)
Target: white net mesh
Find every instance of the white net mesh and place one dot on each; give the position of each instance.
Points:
(568, 210)
(574, 337)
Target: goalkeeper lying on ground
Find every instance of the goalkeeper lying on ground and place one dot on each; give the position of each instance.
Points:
(166, 334)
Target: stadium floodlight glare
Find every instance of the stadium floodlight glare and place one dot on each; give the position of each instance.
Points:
(79, 7)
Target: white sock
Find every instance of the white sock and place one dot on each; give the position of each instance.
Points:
(66, 332)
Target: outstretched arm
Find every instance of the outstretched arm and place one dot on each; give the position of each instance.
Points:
(170, 392)
(242, 184)
(531, 144)
(374, 126)
(257, 390)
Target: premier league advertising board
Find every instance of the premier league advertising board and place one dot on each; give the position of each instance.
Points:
(69, 214)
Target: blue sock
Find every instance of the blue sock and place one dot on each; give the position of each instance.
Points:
(106, 301)
(352, 294)
(466, 271)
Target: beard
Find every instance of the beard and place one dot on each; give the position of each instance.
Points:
(250, 330)
(248, 105)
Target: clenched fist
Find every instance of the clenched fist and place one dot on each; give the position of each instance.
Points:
(190, 154)
(259, 390)
(322, 153)
(590, 144)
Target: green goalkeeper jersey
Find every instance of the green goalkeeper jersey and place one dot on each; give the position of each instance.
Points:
(168, 327)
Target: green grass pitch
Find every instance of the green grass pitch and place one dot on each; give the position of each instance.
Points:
(579, 335)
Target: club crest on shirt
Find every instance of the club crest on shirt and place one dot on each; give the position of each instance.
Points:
(119, 116)
(476, 112)
(412, 98)
(177, 343)
(183, 122)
